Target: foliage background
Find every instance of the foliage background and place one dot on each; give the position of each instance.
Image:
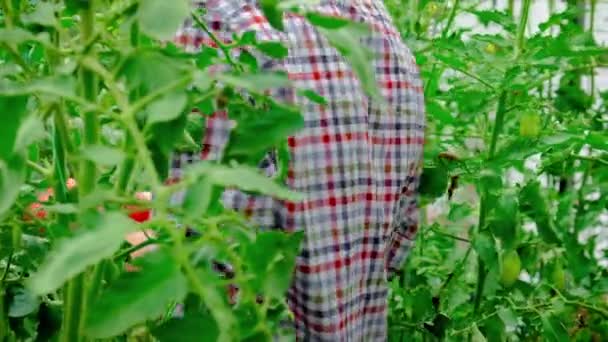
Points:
(516, 163)
(508, 108)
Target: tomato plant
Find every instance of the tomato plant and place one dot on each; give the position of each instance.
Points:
(94, 100)
(505, 258)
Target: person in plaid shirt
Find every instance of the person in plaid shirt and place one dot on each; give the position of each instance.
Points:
(356, 161)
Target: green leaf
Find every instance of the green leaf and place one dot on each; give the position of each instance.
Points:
(347, 40)
(553, 329)
(328, 22)
(138, 296)
(597, 141)
(161, 19)
(273, 13)
(194, 327)
(62, 208)
(167, 108)
(103, 155)
(433, 182)
(280, 272)
(271, 258)
(533, 203)
(254, 135)
(244, 178)
(439, 113)
(556, 19)
(452, 60)
(459, 211)
(499, 17)
(255, 82)
(273, 49)
(148, 69)
(485, 246)
(198, 198)
(421, 301)
(504, 221)
(13, 112)
(509, 318)
(12, 176)
(22, 303)
(60, 86)
(73, 255)
(313, 96)
(18, 35)
(477, 336)
(31, 131)
(43, 14)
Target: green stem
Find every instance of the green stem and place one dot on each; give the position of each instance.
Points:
(7, 269)
(96, 281)
(497, 130)
(216, 40)
(7, 8)
(580, 206)
(75, 302)
(210, 296)
(38, 168)
(125, 253)
(451, 18)
(521, 30)
(592, 33)
(413, 9)
(4, 328)
(498, 123)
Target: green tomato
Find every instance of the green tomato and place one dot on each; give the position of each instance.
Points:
(511, 267)
(529, 125)
(491, 49)
(558, 277)
(433, 9)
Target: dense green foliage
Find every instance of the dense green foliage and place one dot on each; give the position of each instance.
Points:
(510, 122)
(92, 105)
(88, 93)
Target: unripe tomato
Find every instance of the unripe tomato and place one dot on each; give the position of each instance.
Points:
(433, 9)
(491, 49)
(511, 267)
(558, 277)
(529, 125)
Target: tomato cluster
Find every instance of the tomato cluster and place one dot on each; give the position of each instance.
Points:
(36, 211)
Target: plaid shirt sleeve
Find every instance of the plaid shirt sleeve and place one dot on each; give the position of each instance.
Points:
(401, 239)
(225, 18)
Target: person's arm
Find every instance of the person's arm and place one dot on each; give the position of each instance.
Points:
(401, 239)
(234, 18)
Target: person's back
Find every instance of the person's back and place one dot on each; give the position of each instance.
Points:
(356, 161)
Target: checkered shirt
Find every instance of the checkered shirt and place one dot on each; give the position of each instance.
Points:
(356, 161)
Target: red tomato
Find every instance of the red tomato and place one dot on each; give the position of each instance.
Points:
(140, 216)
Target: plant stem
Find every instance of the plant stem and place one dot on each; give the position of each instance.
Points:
(4, 328)
(7, 8)
(9, 261)
(451, 18)
(521, 29)
(592, 33)
(125, 253)
(221, 45)
(75, 301)
(498, 124)
(497, 130)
